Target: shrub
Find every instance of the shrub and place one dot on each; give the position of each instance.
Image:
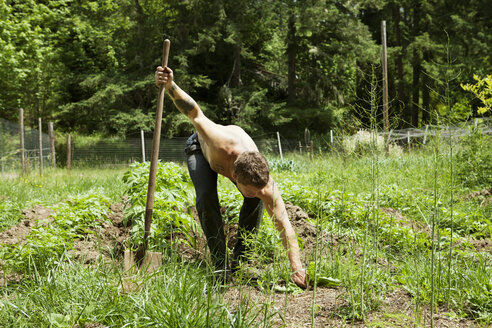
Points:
(172, 203)
(278, 165)
(474, 160)
(365, 142)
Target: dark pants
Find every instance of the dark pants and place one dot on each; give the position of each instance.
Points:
(207, 204)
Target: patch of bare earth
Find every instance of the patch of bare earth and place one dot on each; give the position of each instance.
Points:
(31, 217)
(18, 233)
(287, 310)
(107, 241)
(484, 197)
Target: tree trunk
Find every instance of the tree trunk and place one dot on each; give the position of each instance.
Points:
(140, 35)
(402, 97)
(416, 68)
(425, 92)
(416, 88)
(291, 57)
(235, 78)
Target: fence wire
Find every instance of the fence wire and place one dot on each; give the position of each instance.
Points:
(444, 131)
(10, 146)
(125, 151)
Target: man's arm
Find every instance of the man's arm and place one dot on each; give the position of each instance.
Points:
(186, 105)
(275, 207)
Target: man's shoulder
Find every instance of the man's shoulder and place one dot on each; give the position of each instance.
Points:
(235, 129)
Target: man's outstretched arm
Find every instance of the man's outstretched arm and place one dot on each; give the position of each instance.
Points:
(275, 207)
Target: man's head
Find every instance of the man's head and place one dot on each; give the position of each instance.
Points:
(251, 169)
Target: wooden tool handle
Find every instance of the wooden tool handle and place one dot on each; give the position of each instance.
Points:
(165, 52)
(149, 206)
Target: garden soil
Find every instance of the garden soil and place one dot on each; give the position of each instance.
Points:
(287, 310)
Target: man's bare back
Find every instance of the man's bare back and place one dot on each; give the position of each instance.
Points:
(222, 149)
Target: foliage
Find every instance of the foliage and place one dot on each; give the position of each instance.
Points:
(366, 142)
(49, 240)
(482, 90)
(278, 165)
(232, 201)
(9, 213)
(171, 208)
(373, 234)
(474, 160)
(71, 294)
(267, 66)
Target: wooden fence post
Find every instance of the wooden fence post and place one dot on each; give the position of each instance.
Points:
(300, 147)
(279, 146)
(69, 152)
(307, 137)
(143, 145)
(425, 133)
(40, 147)
(21, 133)
(312, 150)
(385, 76)
(52, 144)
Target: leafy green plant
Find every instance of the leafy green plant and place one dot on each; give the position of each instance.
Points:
(278, 165)
(482, 90)
(9, 213)
(231, 201)
(82, 213)
(48, 241)
(474, 160)
(172, 203)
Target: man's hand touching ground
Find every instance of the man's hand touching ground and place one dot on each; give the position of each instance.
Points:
(300, 278)
(164, 76)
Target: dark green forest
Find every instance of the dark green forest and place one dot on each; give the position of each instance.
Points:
(270, 65)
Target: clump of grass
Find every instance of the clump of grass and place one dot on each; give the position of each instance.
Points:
(178, 295)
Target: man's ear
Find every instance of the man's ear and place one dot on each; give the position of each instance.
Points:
(234, 176)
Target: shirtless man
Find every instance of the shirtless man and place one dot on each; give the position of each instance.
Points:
(230, 151)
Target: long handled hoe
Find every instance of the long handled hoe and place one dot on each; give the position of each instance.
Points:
(152, 260)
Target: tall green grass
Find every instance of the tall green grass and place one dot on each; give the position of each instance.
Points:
(178, 295)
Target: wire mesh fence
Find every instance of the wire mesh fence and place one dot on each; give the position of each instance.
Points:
(10, 147)
(112, 152)
(444, 131)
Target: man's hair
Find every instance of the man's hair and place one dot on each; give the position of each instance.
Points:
(251, 168)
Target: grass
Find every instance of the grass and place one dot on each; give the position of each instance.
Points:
(178, 295)
(365, 253)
